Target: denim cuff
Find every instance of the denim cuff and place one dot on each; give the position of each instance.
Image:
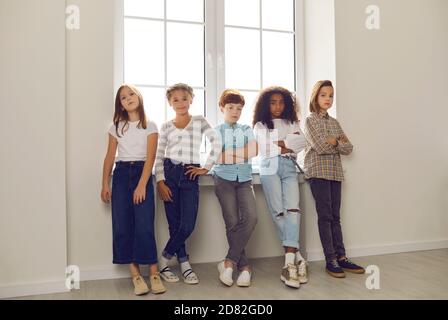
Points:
(167, 255)
(182, 259)
(292, 244)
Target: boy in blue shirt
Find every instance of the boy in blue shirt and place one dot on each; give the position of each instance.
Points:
(233, 187)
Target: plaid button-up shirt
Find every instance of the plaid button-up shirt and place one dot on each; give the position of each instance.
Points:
(322, 160)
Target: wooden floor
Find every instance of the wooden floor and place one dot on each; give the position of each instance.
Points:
(414, 275)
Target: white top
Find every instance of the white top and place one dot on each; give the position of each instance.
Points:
(184, 145)
(132, 143)
(283, 130)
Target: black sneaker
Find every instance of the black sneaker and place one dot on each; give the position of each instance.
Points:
(334, 269)
(349, 266)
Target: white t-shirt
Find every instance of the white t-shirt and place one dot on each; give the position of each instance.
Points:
(132, 143)
(283, 131)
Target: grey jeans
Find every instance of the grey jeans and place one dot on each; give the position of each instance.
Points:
(237, 202)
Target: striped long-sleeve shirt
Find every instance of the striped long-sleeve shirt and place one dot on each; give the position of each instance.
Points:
(323, 160)
(184, 145)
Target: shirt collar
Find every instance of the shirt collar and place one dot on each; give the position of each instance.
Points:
(323, 115)
(230, 126)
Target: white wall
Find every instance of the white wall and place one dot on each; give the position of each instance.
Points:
(32, 197)
(392, 102)
(90, 99)
(320, 55)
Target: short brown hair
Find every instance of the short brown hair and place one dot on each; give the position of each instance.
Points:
(179, 86)
(231, 96)
(314, 106)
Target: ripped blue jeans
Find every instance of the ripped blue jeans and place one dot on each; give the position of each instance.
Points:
(280, 183)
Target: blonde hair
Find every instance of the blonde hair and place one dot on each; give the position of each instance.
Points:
(179, 86)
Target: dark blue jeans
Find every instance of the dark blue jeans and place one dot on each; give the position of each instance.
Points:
(181, 213)
(327, 195)
(132, 225)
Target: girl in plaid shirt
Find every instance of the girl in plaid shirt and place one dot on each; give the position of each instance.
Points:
(323, 168)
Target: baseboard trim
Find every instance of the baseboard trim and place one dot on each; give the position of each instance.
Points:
(32, 289)
(108, 272)
(365, 251)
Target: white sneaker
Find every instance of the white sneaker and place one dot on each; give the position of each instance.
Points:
(290, 276)
(225, 274)
(302, 267)
(244, 279)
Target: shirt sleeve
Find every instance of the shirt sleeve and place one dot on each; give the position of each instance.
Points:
(267, 148)
(221, 136)
(249, 133)
(151, 128)
(344, 148)
(215, 141)
(112, 131)
(160, 155)
(316, 140)
(295, 140)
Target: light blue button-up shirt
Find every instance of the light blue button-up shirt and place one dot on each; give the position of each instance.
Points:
(234, 137)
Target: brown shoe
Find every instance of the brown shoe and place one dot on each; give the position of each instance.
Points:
(140, 286)
(156, 284)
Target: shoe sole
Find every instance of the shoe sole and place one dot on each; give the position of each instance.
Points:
(158, 291)
(141, 293)
(354, 271)
(168, 279)
(226, 282)
(191, 282)
(290, 284)
(336, 275)
(243, 284)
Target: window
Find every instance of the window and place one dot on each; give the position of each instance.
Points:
(164, 44)
(210, 45)
(259, 47)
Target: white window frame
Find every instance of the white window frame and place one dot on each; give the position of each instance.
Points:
(214, 55)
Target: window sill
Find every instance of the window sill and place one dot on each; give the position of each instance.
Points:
(207, 179)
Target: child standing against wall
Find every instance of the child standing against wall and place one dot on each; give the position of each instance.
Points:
(326, 142)
(280, 139)
(233, 187)
(177, 173)
(132, 189)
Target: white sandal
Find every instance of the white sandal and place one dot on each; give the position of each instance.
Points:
(168, 275)
(190, 277)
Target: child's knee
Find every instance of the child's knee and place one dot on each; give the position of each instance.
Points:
(187, 229)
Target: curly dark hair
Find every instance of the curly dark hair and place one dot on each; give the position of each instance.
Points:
(262, 110)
